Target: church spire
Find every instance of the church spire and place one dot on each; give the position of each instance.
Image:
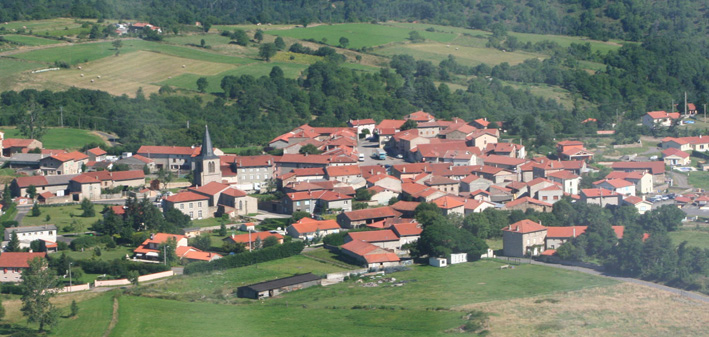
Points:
(207, 149)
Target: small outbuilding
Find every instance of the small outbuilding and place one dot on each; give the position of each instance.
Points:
(458, 258)
(439, 262)
(276, 287)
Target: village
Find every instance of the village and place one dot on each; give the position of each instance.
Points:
(364, 181)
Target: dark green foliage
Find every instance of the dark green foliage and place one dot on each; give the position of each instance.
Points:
(267, 50)
(280, 45)
(74, 308)
(35, 210)
(88, 242)
(247, 258)
(309, 149)
(36, 280)
(119, 267)
(202, 84)
(409, 124)
(240, 36)
(202, 242)
(269, 242)
(298, 215)
(166, 251)
(258, 36)
(32, 191)
(88, 208)
(14, 244)
(363, 194)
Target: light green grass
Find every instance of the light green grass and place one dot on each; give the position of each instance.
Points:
(240, 150)
(41, 26)
(257, 69)
(699, 179)
(93, 51)
(106, 254)
(92, 320)
(61, 216)
(558, 94)
(359, 34)
(60, 138)
(362, 67)
(10, 67)
(206, 222)
(694, 238)
(226, 281)
(196, 39)
(30, 40)
(494, 244)
(333, 258)
(453, 286)
(138, 317)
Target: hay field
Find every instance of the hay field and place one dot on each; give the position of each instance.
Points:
(125, 73)
(621, 310)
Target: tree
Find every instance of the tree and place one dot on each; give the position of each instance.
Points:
(240, 36)
(415, 36)
(74, 308)
(88, 208)
(206, 24)
(279, 43)
(222, 229)
(258, 36)
(440, 238)
(35, 210)
(309, 149)
(31, 123)
(344, 42)
(202, 43)
(409, 124)
(167, 252)
(32, 191)
(14, 244)
(2, 310)
(269, 242)
(202, 84)
(134, 277)
(7, 196)
(201, 242)
(393, 200)
(37, 280)
(266, 51)
(296, 216)
(117, 44)
(165, 177)
(363, 194)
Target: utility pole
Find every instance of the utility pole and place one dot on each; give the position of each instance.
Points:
(188, 124)
(61, 116)
(250, 243)
(685, 103)
(705, 113)
(70, 283)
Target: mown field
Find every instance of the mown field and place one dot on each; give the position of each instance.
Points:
(694, 238)
(60, 138)
(63, 216)
(27, 40)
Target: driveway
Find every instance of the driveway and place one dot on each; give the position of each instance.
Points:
(368, 147)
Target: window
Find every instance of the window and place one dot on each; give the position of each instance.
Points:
(199, 204)
(199, 214)
(307, 202)
(182, 206)
(297, 203)
(191, 205)
(191, 215)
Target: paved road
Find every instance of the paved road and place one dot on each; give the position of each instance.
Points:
(680, 292)
(368, 147)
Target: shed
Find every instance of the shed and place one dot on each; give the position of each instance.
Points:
(458, 258)
(439, 262)
(276, 287)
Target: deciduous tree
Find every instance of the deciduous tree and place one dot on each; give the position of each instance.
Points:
(37, 282)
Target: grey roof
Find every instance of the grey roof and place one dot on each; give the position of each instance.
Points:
(283, 282)
(25, 157)
(60, 179)
(26, 229)
(207, 149)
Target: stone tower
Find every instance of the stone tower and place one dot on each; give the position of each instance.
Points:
(207, 165)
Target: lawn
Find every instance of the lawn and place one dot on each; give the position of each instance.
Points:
(699, 179)
(694, 238)
(196, 39)
(92, 320)
(469, 56)
(9, 68)
(28, 40)
(359, 34)
(558, 94)
(240, 150)
(50, 25)
(63, 216)
(456, 285)
(60, 138)
(106, 254)
(323, 254)
(137, 317)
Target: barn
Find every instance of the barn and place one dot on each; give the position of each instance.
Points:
(276, 287)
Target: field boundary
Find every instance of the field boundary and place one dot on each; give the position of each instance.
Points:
(114, 318)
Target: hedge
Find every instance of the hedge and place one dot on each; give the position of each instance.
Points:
(119, 267)
(247, 258)
(88, 242)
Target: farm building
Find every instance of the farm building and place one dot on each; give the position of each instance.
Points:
(276, 287)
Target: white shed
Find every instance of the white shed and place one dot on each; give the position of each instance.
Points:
(458, 258)
(438, 262)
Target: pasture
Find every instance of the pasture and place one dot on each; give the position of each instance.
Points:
(60, 138)
(469, 56)
(359, 34)
(28, 40)
(694, 238)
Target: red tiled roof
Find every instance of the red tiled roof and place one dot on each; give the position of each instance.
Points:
(675, 152)
(407, 229)
(663, 114)
(447, 202)
(634, 200)
(420, 116)
(97, 151)
(529, 200)
(358, 122)
(18, 259)
(304, 159)
(382, 257)
(244, 238)
(116, 175)
(192, 253)
(565, 232)
(563, 175)
(234, 192)
(438, 180)
(372, 170)
(143, 159)
(482, 122)
(503, 160)
(186, 196)
(308, 225)
(407, 206)
(76, 155)
(655, 167)
(524, 226)
(360, 248)
(570, 143)
(118, 210)
(371, 213)
(340, 171)
(148, 150)
(393, 124)
(597, 192)
(31, 180)
(86, 179)
(210, 189)
(16, 142)
(615, 183)
(374, 236)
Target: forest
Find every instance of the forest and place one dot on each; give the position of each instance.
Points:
(628, 20)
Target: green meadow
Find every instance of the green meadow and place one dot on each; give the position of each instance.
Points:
(60, 138)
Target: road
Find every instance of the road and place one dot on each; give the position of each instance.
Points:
(680, 292)
(368, 147)
(679, 180)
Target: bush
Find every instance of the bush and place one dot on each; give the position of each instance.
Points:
(247, 258)
(119, 267)
(88, 242)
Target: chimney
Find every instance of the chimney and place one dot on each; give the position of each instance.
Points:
(574, 230)
(509, 227)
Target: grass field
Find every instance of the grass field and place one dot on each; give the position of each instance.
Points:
(323, 254)
(621, 310)
(30, 40)
(694, 238)
(92, 320)
(359, 34)
(60, 138)
(699, 179)
(469, 56)
(106, 254)
(48, 25)
(63, 216)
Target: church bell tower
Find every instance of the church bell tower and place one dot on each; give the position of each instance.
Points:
(207, 166)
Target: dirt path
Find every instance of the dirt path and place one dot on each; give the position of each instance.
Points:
(679, 180)
(114, 319)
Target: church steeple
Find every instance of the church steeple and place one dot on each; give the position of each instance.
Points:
(207, 163)
(207, 149)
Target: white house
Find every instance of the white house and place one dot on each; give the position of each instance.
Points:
(31, 233)
(654, 119)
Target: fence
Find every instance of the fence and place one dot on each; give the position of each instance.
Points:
(342, 274)
(67, 289)
(111, 283)
(155, 276)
